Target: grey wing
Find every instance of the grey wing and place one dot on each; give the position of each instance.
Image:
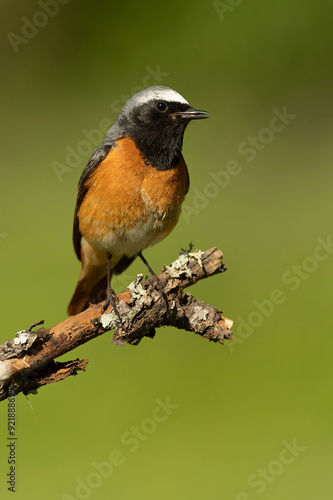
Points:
(96, 158)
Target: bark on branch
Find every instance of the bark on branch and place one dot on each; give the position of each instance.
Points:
(27, 362)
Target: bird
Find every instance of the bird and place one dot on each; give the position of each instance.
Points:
(131, 191)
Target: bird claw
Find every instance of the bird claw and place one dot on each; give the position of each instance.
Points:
(111, 299)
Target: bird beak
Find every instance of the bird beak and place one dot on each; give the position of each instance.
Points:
(190, 114)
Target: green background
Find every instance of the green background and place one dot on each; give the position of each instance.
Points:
(238, 404)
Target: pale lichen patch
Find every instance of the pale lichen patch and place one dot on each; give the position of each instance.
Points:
(180, 266)
(21, 337)
(136, 288)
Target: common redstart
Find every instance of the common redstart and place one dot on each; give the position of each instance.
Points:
(130, 192)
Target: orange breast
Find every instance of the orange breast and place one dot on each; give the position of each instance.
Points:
(129, 205)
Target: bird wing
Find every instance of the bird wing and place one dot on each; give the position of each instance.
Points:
(96, 158)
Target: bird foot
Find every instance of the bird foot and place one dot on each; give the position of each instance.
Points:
(159, 285)
(111, 298)
(160, 288)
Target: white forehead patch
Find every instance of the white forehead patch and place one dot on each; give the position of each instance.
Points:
(163, 93)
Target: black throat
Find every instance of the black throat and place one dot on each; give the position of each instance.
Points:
(161, 148)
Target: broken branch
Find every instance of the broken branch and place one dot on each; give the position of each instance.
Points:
(27, 362)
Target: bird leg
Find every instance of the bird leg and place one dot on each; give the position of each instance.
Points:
(110, 293)
(147, 265)
(154, 275)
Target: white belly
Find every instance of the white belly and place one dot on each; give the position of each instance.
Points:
(134, 240)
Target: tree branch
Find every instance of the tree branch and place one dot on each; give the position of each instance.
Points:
(27, 362)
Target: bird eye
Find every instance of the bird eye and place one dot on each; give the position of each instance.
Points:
(161, 106)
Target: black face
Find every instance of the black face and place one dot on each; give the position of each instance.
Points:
(159, 113)
(157, 128)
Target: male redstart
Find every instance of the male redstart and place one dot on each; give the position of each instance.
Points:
(130, 192)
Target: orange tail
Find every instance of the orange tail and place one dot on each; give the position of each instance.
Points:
(92, 279)
(86, 293)
(92, 283)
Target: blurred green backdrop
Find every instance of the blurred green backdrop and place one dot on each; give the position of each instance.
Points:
(239, 408)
